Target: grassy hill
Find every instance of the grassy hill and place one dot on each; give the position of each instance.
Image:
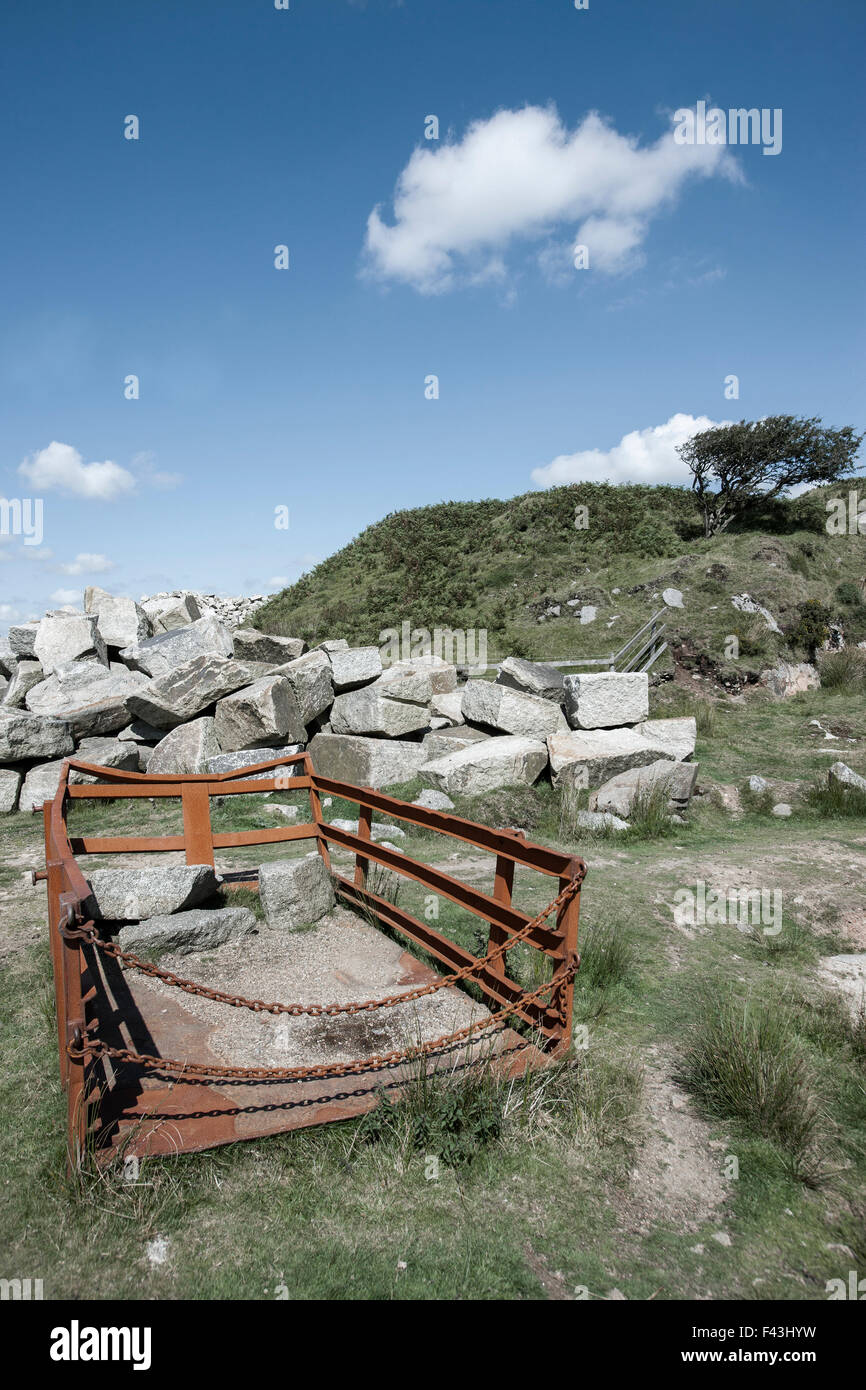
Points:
(504, 565)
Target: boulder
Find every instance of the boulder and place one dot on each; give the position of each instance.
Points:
(40, 785)
(354, 666)
(182, 933)
(260, 715)
(511, 711)
(441, 742)
(119, 894)
(607, 699)
(10, 786)
(310, 678)
(188, 691)
(601, 820)
(248, 757)
(532, 677)
(434, 801)
(618, 795)
(8, 658)
(105, 752)
(367, 712)
(64, 637)
(448, 706)
(26, 675)
(847, 777)
(366, 762)
(419, 678)
(758, 785)
(672, 598)
(789, 678)
(295, 892)
(163, 654)
(121, 621)
(497, 762)
(139, 731)
(22, 639)
(782, 810)
(250, 645)
(93, 698)
(186, 749)
(379, 830)
(589, 757)
(24, 735)
(333, 644)
(677, 737)
(168, 614)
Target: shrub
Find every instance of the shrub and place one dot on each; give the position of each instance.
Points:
(849, 592)
(844, 670)
(812, 627)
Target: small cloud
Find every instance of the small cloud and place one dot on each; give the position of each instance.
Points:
(85, 563)
(65, 596)
(61, 468)
(143, 466)
(641, 456)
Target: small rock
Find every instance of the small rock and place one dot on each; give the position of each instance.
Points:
(672, 598)
(722, 1237)
(782, 810)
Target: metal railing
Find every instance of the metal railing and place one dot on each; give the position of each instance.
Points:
(629, 657)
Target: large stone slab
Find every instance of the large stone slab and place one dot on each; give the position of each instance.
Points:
(164, 653)
(121, 621)
(511, 711)
(586, 758)
(22, 639)
(64, 637)
(105, 752)
(366, 711)
(497, 762)
(91, 697)
(250, 645)
(419, 678)
(26, 675)
(40, 785)
(441, 742)
(366, 762)
(183, 933)
(532, 677)
(619, 794)
(24, 735)
(259, 715)
(118, 894)
(606, 699)
(10, 786)
(186, 749)
(188, 691)
(677, 737)
(310, 678)
(248, 757)
(168, 614)
(354, 666)
(448, 706)
(295, 892)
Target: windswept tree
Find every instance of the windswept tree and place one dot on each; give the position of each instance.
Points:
(736, 466)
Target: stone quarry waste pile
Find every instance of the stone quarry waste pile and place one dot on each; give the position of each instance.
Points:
(163, 686)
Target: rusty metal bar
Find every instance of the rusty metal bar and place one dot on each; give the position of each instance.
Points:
(196, 824)
(365, 832)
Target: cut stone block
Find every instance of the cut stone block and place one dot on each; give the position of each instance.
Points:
(607, 699)
(586, 758)
(676, 736)
(310, 678)
(188, 691)
(441, 742)
(250, 645)
(295, 892)
(121, 621)
(10, 786)
(497, 762)
(260, 715)
(26, 675)
(367, 712)
(168, 614)
(433, 801)
(22, 639)
(618, 795)
(92, 697)
(182, 933)
(105, 752)
(354, 666)
(532, 677)
(511, 711)
(248, 757)
(64, 637)
(366, 762)
(118, 894)
(40, 785)
(186, 749)
(448, 706)
(24, 735)
(163, 654)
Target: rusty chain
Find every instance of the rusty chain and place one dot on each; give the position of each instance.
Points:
(205, 1072)
(90, 936)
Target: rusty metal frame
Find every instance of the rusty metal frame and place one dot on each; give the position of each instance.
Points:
(75, 975)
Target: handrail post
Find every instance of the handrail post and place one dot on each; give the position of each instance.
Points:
(316, 810)
(562, 999)
(503, 886)
(365, 832)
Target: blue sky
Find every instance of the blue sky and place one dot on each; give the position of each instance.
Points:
(306, 387)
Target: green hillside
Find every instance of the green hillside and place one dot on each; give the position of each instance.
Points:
(504, 565)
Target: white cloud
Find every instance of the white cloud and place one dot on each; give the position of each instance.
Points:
(85, 563)
(522, 174)
(641, 456)
(62, 468)
(143, 466)
(66, 596)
